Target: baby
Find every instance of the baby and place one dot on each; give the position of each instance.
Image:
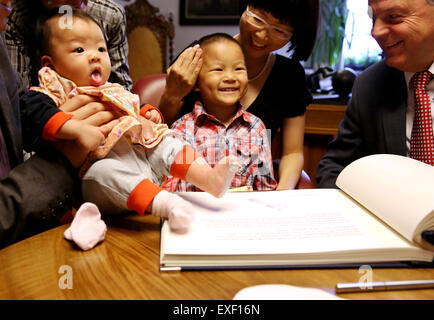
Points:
(125, 170)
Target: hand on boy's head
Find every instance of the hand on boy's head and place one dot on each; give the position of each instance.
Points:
(183, 73)
(87, 108)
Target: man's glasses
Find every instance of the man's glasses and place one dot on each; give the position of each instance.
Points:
(260, 23)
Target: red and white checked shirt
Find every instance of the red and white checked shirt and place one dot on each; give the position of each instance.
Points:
(246, 138)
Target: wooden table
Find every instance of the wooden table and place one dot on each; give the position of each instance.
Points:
(126, 266)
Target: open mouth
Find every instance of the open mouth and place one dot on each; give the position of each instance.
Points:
(229, 90)
(257, 44)
(96, 77)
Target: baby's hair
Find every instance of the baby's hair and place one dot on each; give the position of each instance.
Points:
(43, 30)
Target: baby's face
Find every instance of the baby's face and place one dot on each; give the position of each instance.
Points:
(79, 53)
(223, 78)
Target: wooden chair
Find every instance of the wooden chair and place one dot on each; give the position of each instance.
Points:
(150, 39)
(151, 87)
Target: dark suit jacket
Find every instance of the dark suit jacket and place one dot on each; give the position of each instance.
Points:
(39, 191)
(374, 122)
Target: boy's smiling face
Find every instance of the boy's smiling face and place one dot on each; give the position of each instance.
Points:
(223, 78)
(79, 53)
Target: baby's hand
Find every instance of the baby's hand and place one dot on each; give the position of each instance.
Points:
(154, 116)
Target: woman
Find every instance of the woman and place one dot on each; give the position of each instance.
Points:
(277, 91)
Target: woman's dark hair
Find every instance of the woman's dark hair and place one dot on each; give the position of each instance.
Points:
(302, 15)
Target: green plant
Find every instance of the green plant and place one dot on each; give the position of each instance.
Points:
(328, 48)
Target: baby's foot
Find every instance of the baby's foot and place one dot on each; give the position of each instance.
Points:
(172, 207)
(222, 175)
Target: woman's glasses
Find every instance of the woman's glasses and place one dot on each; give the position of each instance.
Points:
(260, 23)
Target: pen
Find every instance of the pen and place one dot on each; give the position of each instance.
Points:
(383, 286)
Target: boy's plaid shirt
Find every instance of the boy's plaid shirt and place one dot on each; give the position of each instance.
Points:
(246, 138)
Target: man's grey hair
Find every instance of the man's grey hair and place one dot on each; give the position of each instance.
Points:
(430, 2)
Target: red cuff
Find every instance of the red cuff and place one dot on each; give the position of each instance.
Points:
(182, 162)
(142, 196)
(147, 107)
(54, 124)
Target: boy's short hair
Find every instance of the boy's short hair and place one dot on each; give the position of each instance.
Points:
(218, 36)
(43, 31)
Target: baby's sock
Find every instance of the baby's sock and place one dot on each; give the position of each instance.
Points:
(172, 207)
(87, 228)
(224, 172)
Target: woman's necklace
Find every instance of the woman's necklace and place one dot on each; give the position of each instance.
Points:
(263, 69)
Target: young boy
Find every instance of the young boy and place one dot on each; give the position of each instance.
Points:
(218, 126)
(124, 172)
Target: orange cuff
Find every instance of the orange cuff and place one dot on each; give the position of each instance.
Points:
(54, 124)
(147, 107)
(183, 161)
(142, 196)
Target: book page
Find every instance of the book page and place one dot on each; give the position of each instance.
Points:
(279, 222)
(399, 190)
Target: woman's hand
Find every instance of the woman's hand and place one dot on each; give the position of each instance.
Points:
(180, 80)
(182, 74)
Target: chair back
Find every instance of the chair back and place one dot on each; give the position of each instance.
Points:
(150, 39)
(150, 88)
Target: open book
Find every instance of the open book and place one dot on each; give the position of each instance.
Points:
(378, 216)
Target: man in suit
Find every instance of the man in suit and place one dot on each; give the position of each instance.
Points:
(380, 114)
